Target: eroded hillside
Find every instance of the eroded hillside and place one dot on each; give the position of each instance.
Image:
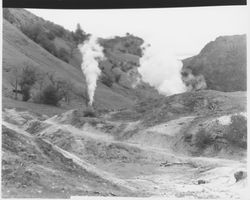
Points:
(191, 152)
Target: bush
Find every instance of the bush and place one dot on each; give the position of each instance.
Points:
(106, 81)
(63, 55)
(38, 35)
(49, 46)
(89, 113)
(117, 78)
(79, 35)
(26, 92)
(203, 139)
(50, 35)
(50, 95)
(28, 78)
(58, 31)
(32, 31)
(236, 132)
(38, 98)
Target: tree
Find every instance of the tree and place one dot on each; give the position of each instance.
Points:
(50, 35)
(50, 95)
(22, 81)
(65, 88)
(79, 35)
(41, 80)
(63, 54)
(32, 31)
(14, 81)
(27, 79)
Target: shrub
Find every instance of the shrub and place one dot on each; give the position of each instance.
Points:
(38, 35)
(27, 79)
(63, 54)
(236, 132)
(58, 31)
(49, 46)
(38, 98)
(50, 35)
(28, 76)
(32, 31)
(89, 113)
(79, 35)
(50, 95)
(106, 81)
(117, 78)
(203, 139)
(66, 88)
(26, 92)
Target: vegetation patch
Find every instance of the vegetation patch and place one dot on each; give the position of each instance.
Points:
(236, 133)
(203, 139)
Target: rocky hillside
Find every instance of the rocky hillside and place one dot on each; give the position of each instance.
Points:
(221, 65)
(32, 41)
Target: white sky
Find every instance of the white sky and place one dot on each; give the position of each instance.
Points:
(184, 31)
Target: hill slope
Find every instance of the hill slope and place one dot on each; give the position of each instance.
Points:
(222, 63)
(120, 68)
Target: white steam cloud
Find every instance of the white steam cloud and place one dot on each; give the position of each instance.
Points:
(92, 53)
(161, 70)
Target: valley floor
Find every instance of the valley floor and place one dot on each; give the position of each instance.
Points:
(56, 158)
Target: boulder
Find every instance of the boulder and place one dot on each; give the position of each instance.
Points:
(239, 175)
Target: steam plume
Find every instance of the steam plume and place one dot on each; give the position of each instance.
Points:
(92, 53)
(161, 70)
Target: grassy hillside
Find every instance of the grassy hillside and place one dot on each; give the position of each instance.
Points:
(21, 49)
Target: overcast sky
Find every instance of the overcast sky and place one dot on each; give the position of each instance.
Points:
(184, 31)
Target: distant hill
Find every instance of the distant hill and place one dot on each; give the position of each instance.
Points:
(29, 40)
(222, 63)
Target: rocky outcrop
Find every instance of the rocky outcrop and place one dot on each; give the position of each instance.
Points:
(221, 65)
(122, 60)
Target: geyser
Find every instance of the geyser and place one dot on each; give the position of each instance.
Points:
(92, 54)
(161, 69)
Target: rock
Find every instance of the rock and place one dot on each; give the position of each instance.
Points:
(239, 175)
(201, 182)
